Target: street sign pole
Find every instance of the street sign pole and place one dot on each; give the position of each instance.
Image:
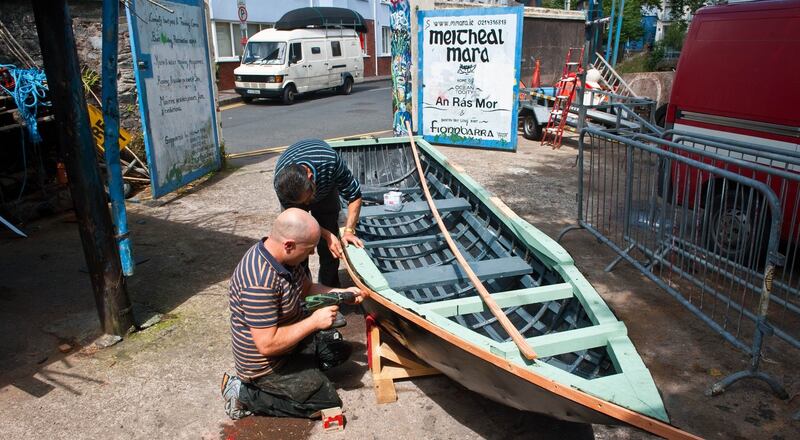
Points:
(242, 23)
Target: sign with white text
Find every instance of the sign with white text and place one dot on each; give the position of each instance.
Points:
(176, 97)
(469, 71)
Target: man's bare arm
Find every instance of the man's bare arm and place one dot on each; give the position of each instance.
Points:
(278, 340)
(349, 236)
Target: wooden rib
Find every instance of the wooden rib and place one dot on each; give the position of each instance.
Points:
(526, 350)
(509, 298)
(400, 242)
(626, 415)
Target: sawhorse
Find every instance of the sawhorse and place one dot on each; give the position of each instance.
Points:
(388, 361)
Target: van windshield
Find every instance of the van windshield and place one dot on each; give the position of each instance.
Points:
(261, 52)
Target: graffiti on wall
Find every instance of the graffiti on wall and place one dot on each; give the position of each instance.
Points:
(400, 23)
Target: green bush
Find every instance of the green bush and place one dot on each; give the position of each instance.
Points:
(674, 36)
(655, 55)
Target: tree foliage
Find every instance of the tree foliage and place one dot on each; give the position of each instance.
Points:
(632, 28)
(676, 6)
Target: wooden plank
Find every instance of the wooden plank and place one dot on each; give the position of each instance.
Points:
(416, 208)
(451, 273)
(391, 372)
(373, 191)
(393, 242)
(384, 390)
(405, 365)
(509, 298)
(570, 341)
(401, 357)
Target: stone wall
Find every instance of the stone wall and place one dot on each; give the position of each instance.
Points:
(17, 16)
(654, 85)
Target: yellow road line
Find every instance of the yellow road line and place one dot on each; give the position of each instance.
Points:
(268, 150)
(230, 106)
(359, 135)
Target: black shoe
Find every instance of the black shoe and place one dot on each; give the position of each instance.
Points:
(332, 350)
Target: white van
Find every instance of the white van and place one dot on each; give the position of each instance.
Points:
(283, 63)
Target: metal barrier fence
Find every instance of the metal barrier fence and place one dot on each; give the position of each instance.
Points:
(705, 233)
(779, 169)
(618, 113)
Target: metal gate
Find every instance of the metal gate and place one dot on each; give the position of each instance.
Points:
(701, 219)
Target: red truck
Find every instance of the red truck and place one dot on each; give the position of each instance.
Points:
(738, 78)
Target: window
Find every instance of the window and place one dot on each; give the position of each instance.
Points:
(363, 42)
(264, 52)
(252, 29)
(315, 50)
(336, 49)
(229, 37)
(237, 41)
(224, 48)
(295, 53)
(386, 40)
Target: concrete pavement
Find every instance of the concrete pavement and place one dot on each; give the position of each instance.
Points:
(163, 382)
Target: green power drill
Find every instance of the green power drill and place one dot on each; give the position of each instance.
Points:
(315, 302)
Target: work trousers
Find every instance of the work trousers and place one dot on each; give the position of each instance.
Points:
(297, 389)
(326, 212)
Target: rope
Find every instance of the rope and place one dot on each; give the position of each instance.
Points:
(29, 91)
(24, 165)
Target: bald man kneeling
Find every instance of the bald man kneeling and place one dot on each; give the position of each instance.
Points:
(275, 343)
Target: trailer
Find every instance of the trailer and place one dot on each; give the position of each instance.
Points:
(602, 110)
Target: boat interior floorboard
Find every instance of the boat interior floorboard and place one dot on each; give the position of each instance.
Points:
(452, 273)
(412, 256)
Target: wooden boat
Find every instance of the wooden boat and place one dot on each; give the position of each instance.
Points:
(587, 369)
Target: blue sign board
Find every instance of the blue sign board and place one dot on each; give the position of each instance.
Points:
(176, 96)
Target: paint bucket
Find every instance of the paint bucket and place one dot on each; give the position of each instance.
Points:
(393, 201)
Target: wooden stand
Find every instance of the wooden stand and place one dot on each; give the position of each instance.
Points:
(389, 361)
(332, 419)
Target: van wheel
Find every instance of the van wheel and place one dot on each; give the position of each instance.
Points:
(530, 129)
(738, 227)
(289, 93)
(661, 116)
(347, 87)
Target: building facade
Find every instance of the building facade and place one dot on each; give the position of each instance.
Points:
(227, 36)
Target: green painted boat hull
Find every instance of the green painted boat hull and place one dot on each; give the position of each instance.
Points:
(425, 302)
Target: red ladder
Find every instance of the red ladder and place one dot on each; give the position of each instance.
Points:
(564, 94)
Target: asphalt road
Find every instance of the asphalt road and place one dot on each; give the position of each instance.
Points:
(268, 123)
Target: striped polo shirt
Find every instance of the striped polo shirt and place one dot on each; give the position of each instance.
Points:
(329, 170)
(263, 293)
